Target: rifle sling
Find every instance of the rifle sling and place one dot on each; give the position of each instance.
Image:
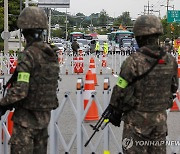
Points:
(162, 53)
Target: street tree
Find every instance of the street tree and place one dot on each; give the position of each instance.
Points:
(123, 19)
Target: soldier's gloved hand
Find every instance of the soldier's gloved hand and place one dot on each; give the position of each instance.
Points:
(3, 110)
(115, 117)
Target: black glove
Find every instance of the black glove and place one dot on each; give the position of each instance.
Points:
(3, 109)
(114, 117)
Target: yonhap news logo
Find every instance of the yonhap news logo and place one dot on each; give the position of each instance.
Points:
(127, 143)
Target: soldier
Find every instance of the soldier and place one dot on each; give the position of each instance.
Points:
(75, 47)
(33, 94)
(144, 90)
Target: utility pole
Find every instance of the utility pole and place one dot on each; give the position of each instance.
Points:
(167, 5)
(66, 25)
(5, 26)
(27, 3)
(148, 8)
(49, 30)
(20, 40)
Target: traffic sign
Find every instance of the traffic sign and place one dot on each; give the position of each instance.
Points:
(54, 3)
(5, 35)
(173, 16)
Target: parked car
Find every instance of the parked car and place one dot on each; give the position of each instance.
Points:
(60, 46)
(81, 47)
(84, 44)
(57, 40)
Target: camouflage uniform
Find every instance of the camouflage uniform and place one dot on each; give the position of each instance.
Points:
(145, 101)
(34, 96)
(75, 47)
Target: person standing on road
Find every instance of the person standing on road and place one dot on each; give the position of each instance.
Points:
(75, 47)
(105, 47)
(33, 94)
(168, 47)
(92, 46)
(97, 48)
(144, 91)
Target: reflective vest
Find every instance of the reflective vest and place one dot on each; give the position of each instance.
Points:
(179, 51)
(97, 46)
(105, 48)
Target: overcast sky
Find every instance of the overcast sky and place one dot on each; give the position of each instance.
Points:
(115, 8)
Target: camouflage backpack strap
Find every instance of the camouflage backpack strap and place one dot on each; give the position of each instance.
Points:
(162, 53)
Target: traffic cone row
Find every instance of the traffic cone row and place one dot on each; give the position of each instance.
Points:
(89, 87)
(78, 63)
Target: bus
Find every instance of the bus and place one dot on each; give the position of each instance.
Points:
(115, 38)
(88, 37)
(77, 35)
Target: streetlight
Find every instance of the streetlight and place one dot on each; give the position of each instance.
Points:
(82, 22)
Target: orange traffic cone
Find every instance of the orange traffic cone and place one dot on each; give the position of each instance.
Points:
(89, 87)
(13, 64)
(92, 67)
(104, 63)
(174, 107)
(10, 122)
(81, 61)
(76, 64)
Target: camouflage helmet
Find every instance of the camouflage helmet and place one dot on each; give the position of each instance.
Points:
(32, 18)
(147, 25)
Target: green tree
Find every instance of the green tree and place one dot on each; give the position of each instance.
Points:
(124, 19)
(103, 18)
(13, 11)
(168, 32)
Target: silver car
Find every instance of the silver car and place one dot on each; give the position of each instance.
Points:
(84, 45)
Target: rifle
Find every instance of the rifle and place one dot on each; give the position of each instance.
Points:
(13, 78)
(104, 118)
(10, 81)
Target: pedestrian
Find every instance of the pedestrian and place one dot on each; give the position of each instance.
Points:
(168, 47)
(178, 51)
(75, 47)
(97, 48)
(144, 91)
(105, 47)
(33, 94)
(92, 46)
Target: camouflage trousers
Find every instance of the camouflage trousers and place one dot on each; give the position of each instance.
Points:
(135, 143)
(28, 140)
